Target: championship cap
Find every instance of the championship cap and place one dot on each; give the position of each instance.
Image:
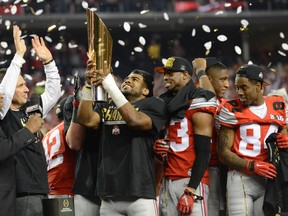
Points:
(176, 64)
(252, 72)
(148, 79)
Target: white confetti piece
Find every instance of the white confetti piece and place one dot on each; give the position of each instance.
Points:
(3, 62)
(144, 11)
(117, 64)
(166, 17)
(84, 4)
(208, 45)
(4, 44)
(138, 49)
(8, 52)
(239, 10)
(193, 32)
(142, 40)
(13, 9)
(58, 46)
(281, 34)
(281, 53)
(39, 12)
(238, 50)
(47, 38)
(244, 22)
(17, 1)
(164, 60)
(206, 28)
(227, 5)
(218, 13)
(222, 38)
(285, 46)
(61, 28)
(51, 28)
(127, 26)
(121, 42)
(141, 25)
(72, 46)
(28, 77)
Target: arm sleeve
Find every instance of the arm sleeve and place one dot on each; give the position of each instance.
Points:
(203, 154)
(9, 83)
(10, 146)
(52, 91)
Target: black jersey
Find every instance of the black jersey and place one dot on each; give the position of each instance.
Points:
(86, 165)
(30, 163)
(126, 164)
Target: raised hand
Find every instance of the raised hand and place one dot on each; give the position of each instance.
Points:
(19, 43)
(41, 50)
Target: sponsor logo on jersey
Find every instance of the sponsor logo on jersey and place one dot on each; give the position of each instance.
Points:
(115, 130)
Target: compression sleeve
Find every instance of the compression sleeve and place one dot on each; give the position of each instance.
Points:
(202, 146)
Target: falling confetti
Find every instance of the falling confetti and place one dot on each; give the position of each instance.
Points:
(166, 17)
(8, 24)
(51, 28)
(141, 25)
(244, 22)
(48, 39)
(72, 46)
(28, 77)
(116, 64)
(17, 1)
(281, 34)
(239, 10)
(193, 32)
(238, 50)
(227, 5)
(164, 60)
(58, 46)
(218, 13)
(144, 11)
(61, 28)
(4, 44)
(3, 62)
(8, 52)
(281, 53)
(84, 4)
(222, 38)
(285, 46)
(121, 42)
(142, 40)
(208, 45)
(127, 26)
(206, 28)
(138, 49)
(39, 12)
(13, 9)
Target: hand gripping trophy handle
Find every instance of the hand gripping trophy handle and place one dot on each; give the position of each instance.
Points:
(100, 45)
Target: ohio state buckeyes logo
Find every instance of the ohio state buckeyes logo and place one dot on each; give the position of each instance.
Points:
(116, 130)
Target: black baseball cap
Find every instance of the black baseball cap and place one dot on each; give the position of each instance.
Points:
(176, 64)
(252, 72)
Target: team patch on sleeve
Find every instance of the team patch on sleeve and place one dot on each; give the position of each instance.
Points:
(198, 103)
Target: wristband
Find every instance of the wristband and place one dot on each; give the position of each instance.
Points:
(48, 62)
(111, 87)
(250, 165)
(86, 94)
(201, 73)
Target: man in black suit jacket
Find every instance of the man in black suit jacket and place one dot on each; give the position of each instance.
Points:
(22, 138)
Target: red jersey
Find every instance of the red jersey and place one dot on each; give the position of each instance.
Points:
(214, 158)
(60, 161)
(251, 131)
(180, 132)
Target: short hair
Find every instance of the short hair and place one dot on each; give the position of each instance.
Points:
(218, 65)
(2, 73)
(148, 79)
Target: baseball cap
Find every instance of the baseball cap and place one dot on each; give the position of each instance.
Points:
(176, 64)
(148, 79)
(252, 72)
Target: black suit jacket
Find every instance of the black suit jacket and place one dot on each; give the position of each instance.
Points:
(9, 147)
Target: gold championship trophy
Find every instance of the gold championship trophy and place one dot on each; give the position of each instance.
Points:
(100, 45)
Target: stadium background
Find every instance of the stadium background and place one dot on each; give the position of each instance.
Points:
(147, 32)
